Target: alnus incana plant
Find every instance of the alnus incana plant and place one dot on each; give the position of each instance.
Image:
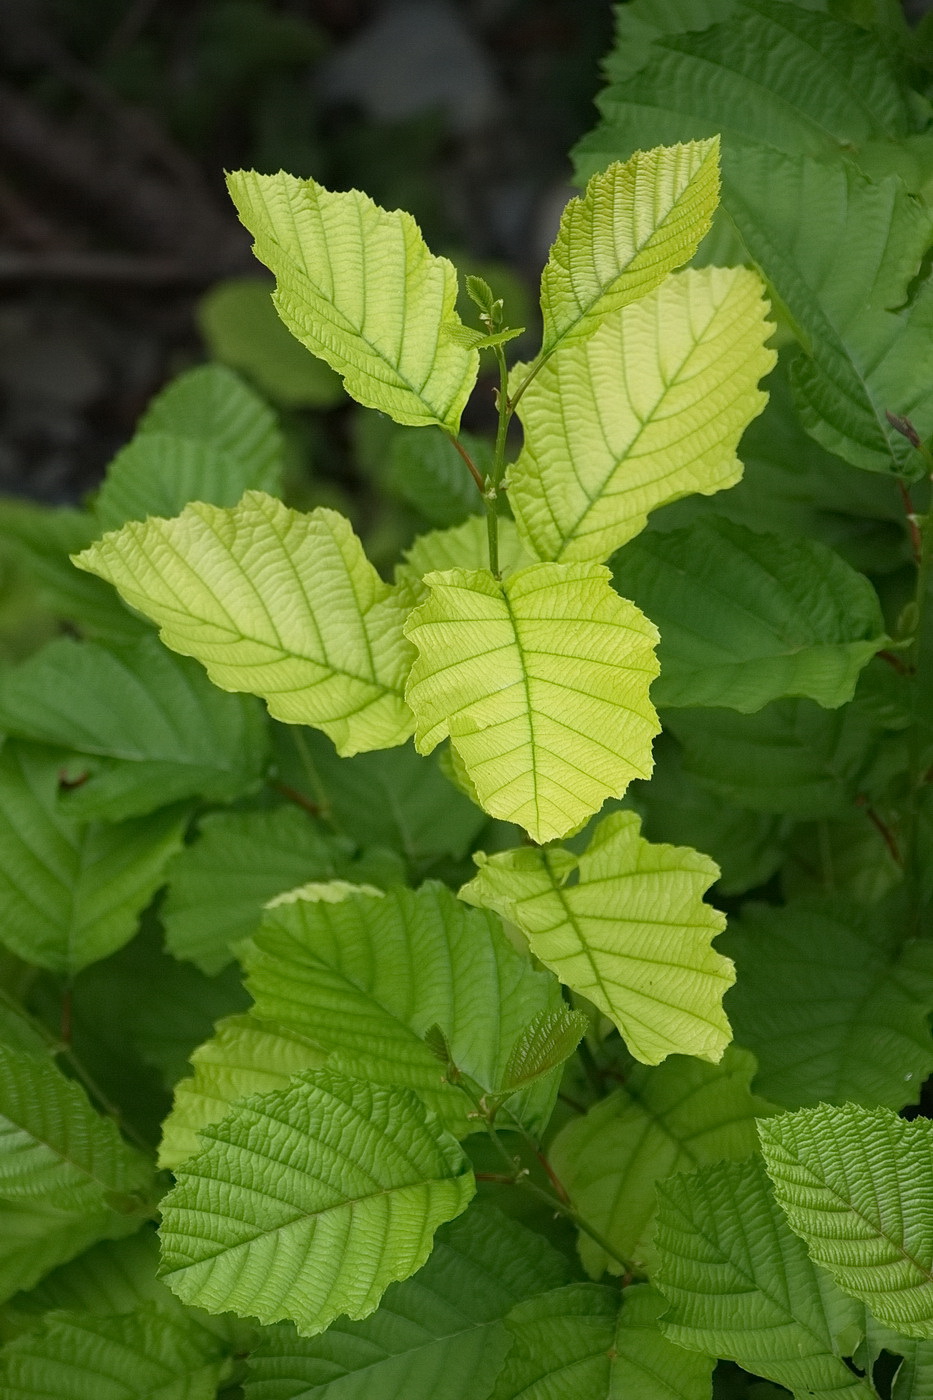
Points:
(487, 1116)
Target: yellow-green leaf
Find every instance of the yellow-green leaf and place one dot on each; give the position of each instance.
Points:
(541, 681)
(633, 225)
(625, 924)
(274, 602)
(358, 286)
(648, 409)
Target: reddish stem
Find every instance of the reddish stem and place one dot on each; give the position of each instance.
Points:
(294, 795)
(898, 665)
(471, 465)
(887, 835)
(916, 542)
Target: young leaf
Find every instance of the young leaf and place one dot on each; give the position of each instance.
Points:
(244, 1056)
(549, 717)
(561, 1345)
(144, 1354)
(366, 978)
(855, 1184)
(741, 1286)
(211, 404)
(218, 886)
(357, 285)
(746, 618)
(633, 225)
(645, 1363)
(437, 1336)
(55, 1150)
(276, 603)
(624, 924)
(650, 408)
(833, 1003)
(662, 1121)
(241, 328)
(549, 1039)
(71, 892)
(308, 1202)
(163, 731)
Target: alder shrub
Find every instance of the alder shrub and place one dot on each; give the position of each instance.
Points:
(472, 1096)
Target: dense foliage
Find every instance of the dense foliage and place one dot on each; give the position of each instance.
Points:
(474, 1094)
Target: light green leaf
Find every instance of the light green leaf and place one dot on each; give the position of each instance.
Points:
(217, 886)
(841, 253)
(367, 977)
(394, 798)
(241, 328)
(747, 846)
(742, 1286)
(855, 1184)
(649, 409)
(561, 1345)
(212, 404)
(145, 1354)
(55, 1151)
(550, 1038)
(791, 757)
(645, 1363)
(244, 1056)
(436, 1336)
(662, 1121)
(549, 717)
(624, 924)
(832, 1001)
(276, 603)
(35, 1238)
(71, 892)
(308, 1202)
(162, 731)
(633, 225)
(357, 285)
(747, 618)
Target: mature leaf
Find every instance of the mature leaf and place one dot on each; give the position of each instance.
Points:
(855, 1184)
(771, 73)
(550, 1037)
(367, 977)
(913, 1379)
(276, 603)
(240, 326)
(436, 1336)
(645, 1363)
(747, 846)
(113, 1276)
(791, 757)
(394, 798)
(217, 886)
(357, 285)
(308, 1202)
(426, 470)
(742, 1286)
(633, 225)
(35, 1238)
(71, 892)
(650, 408)
(144, 1354)
(244, 1056)
(562, 1344)
(662, 1121)
(625, 924)
(833, 1003)
(841, 254)
(493, 672)
(162, 730)
(747, 618)
(211, 404)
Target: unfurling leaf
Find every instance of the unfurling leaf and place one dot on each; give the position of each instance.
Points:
(547, 1041)
(541, 681)
(275, 603)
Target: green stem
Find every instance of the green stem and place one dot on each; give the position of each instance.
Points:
(494, 480)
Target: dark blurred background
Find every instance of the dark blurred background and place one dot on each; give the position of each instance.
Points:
(117, 242)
